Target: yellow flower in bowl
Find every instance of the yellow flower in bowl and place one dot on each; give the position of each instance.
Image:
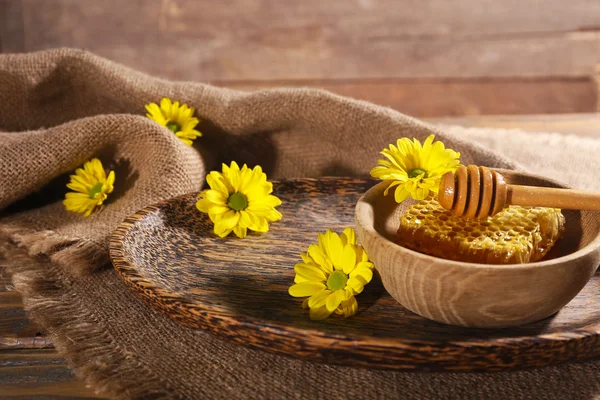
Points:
(239, 199)
(415, 169)
(177, 118)
(90, 187)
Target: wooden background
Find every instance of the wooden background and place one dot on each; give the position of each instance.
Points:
(423, 57)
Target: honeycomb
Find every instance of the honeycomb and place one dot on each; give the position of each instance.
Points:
(514, 235)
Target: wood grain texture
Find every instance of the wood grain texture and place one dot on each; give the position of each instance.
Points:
(485, 295)
(270, 39)
(12, 29)
(39, 374)
(16, 330)
(423, 58)
(454, 97)
(237, 289)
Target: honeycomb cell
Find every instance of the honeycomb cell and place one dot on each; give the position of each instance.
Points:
(514, 235)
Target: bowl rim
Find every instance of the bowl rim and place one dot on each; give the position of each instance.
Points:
(362, 206)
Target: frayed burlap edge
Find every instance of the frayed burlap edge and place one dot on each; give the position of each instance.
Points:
(75, 255)
(43, 285)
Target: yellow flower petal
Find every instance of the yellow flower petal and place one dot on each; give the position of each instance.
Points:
(262, 225)
(186, 141)
(110, 181)
(315, 252)
(361, 254)
(226, 224)
(78, 187)
(317, 300)
(214, 210)
(247, 219)
(267, 201)
(235, 180)
(362, 272)
(420, 193)
(410, 185)
(240, 232)
(215, 196)
(306, 258)
(310, 272)
(401, 194)
(365, 264)
(204, 205)
(165, 105)
(349, 307)
(259, 191)
(348, 259)
(317, 314)
(305, 303)
(74, 195)
(305, 289)
(356, 284)
(387, 189)
(334, 299)
(349, 237)
(335, 250)
(215, 181)
(83, 179)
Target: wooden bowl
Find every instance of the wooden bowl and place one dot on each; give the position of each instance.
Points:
(478, 295)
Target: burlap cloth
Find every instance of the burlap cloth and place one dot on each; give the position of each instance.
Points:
(61, 107)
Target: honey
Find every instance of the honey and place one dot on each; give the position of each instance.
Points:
(514, 235)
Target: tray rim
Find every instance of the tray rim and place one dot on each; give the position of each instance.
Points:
(340, 347)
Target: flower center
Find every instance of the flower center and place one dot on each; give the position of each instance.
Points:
(413, 173)
(337, 280)
(173, 126)
(237, 202)
(97, 188)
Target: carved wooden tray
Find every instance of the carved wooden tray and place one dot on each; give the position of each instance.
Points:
(237, 289)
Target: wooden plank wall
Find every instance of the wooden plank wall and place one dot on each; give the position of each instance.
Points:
(423, 57)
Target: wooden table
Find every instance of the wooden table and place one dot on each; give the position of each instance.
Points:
(29, 365)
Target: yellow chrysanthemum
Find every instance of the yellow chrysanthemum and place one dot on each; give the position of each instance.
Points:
(178, 118)
(333, 272)
(238, 200)
(91, 187)
(415, 169)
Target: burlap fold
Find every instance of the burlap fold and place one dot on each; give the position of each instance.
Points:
(62, 107)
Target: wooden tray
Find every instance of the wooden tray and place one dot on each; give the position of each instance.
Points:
(237, 289)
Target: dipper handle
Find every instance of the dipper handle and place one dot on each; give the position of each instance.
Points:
(478, 192)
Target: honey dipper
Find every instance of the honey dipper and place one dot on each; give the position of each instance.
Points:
(478, 192)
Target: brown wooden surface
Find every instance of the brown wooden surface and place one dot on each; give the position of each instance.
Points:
(579, 124)
(455, 97)
(39, 374)
(237, 289)
(270, 39)
(424, 58)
